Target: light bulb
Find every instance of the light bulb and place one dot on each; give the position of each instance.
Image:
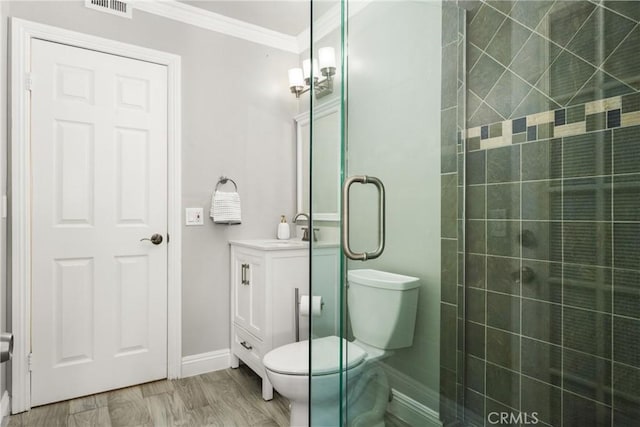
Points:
(295, 77)
(327, 57)
(306, 68)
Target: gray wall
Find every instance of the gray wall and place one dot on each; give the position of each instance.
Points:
(237, 121)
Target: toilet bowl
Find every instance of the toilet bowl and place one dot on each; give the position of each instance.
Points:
(287, 368)
(394, 299)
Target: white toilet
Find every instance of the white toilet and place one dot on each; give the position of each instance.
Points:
(382, 310)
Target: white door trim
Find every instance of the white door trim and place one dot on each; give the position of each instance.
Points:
(22, 32)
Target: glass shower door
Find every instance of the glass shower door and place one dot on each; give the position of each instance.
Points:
(326, 261)
(395, 241)
(393, 106)
(507, 139)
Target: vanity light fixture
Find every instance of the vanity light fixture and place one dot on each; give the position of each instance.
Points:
(324, 68)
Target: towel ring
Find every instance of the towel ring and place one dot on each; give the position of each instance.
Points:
(223, 180)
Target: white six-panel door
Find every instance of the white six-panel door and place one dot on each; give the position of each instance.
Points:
(99, 186)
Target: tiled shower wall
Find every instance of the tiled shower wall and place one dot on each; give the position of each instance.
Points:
(552, 212)
(526, 57)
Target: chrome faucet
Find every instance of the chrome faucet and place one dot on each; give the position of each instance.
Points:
(305, 230)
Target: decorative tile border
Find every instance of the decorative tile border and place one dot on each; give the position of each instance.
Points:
(618, 111)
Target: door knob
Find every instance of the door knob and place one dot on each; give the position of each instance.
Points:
(156, 239)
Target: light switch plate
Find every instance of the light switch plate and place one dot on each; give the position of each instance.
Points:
(194, 216)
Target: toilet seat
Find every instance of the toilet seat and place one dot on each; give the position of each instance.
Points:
(293, 359)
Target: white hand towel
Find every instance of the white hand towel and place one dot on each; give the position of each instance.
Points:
(225, 208)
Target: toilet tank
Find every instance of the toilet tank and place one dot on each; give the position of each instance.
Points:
(382, 307)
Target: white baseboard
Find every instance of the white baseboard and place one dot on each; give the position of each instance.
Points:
(411, 411)
(417, 409)
(205, 362)
(5, 409)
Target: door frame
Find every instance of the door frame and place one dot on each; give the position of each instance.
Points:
(22, 32)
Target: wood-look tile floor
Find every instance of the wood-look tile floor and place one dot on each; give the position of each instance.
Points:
(231, 397)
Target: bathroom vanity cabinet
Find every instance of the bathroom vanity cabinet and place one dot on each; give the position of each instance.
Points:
(264, 275)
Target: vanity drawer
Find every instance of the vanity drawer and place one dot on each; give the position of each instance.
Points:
(248, 348)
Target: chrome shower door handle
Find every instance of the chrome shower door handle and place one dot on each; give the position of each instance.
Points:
(382, 223)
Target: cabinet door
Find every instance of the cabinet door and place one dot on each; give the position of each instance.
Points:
(249, 302)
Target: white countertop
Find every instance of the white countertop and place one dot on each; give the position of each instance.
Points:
(279, 245)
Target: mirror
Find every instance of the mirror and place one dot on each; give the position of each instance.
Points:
(326, 155)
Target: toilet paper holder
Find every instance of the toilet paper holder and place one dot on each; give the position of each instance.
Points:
(296, 321)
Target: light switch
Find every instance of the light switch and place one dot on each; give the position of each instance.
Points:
(194, 216)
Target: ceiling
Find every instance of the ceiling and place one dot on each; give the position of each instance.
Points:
(285, 16)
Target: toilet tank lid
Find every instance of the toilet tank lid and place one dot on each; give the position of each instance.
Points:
(383, 279)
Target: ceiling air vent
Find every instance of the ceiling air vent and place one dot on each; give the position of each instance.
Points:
(115, 7)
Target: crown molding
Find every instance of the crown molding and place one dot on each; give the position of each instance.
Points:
(321, 27)
(212, 21)
(198, 17)
(328, 22)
